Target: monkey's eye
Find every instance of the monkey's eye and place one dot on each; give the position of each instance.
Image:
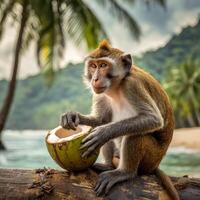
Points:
(102, 65)
(93, 66)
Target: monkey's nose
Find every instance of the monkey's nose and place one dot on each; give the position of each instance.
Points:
(97, 83)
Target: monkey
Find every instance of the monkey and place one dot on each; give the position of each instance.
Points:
(131, 116)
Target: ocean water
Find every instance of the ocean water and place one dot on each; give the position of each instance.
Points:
(27, 150)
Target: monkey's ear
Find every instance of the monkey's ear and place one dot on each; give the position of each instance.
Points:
(104, 45)
(127, 61)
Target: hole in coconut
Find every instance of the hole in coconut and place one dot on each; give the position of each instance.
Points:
(60, 134)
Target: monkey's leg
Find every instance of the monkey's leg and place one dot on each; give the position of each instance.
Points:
(154, 152)
(108, 151)
(131, 153)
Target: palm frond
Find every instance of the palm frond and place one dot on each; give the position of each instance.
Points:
(82, 24)
(59, 18)
(117, 9)
(30, 33)
(45, 53)
(5, 12)
(51, 40)
(46, 43)
(162, 3)
(183, 87)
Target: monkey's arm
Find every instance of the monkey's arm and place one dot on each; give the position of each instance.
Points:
(91, 120)
(147, 120)
(143, 123)
(101, 114)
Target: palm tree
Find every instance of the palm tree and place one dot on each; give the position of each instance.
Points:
(183, 87)
(49, 23)
(11, 87)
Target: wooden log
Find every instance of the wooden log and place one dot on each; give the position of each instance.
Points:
(61, 185)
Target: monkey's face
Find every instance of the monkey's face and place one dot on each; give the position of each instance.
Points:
(106, 73)
(99, 72)
(105, 67)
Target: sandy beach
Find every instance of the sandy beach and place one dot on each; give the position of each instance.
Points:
(187, 137)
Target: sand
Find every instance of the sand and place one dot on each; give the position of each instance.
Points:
(187, 137)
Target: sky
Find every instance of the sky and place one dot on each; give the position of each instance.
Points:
(157, 25)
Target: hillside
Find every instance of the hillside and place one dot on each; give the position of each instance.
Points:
(38, 107)
(179, 48)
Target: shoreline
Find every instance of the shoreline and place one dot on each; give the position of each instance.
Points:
(188, 138)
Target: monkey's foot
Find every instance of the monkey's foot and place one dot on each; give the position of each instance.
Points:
(108, 179)
(100, 167)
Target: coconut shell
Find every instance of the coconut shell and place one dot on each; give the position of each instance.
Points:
(67, 153)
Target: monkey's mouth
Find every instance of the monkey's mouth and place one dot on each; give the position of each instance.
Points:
(99, 89)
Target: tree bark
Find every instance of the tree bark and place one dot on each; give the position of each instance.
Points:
(12, 84)
(197, 116)
(52, 185)
(190, 121)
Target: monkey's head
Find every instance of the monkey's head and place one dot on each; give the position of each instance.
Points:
(106, 67)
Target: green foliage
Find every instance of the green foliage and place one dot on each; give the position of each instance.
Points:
(38, 107)
(183, 86)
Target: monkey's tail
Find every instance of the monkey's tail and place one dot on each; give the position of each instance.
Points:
(167, 183)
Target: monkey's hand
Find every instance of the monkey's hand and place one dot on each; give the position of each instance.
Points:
(70, 120)
(94, 140)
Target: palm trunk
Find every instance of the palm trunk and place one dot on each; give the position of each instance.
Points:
(197, 115)
(12, 84)
(190, 121)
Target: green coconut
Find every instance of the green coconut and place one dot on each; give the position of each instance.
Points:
(64, 147)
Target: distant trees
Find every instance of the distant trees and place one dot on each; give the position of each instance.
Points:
(175, 51)
(183, 86)
(48, 22)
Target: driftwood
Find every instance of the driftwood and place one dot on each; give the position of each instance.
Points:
(59, 185)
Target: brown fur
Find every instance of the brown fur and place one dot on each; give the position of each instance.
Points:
(157, 93)
(105, 50)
